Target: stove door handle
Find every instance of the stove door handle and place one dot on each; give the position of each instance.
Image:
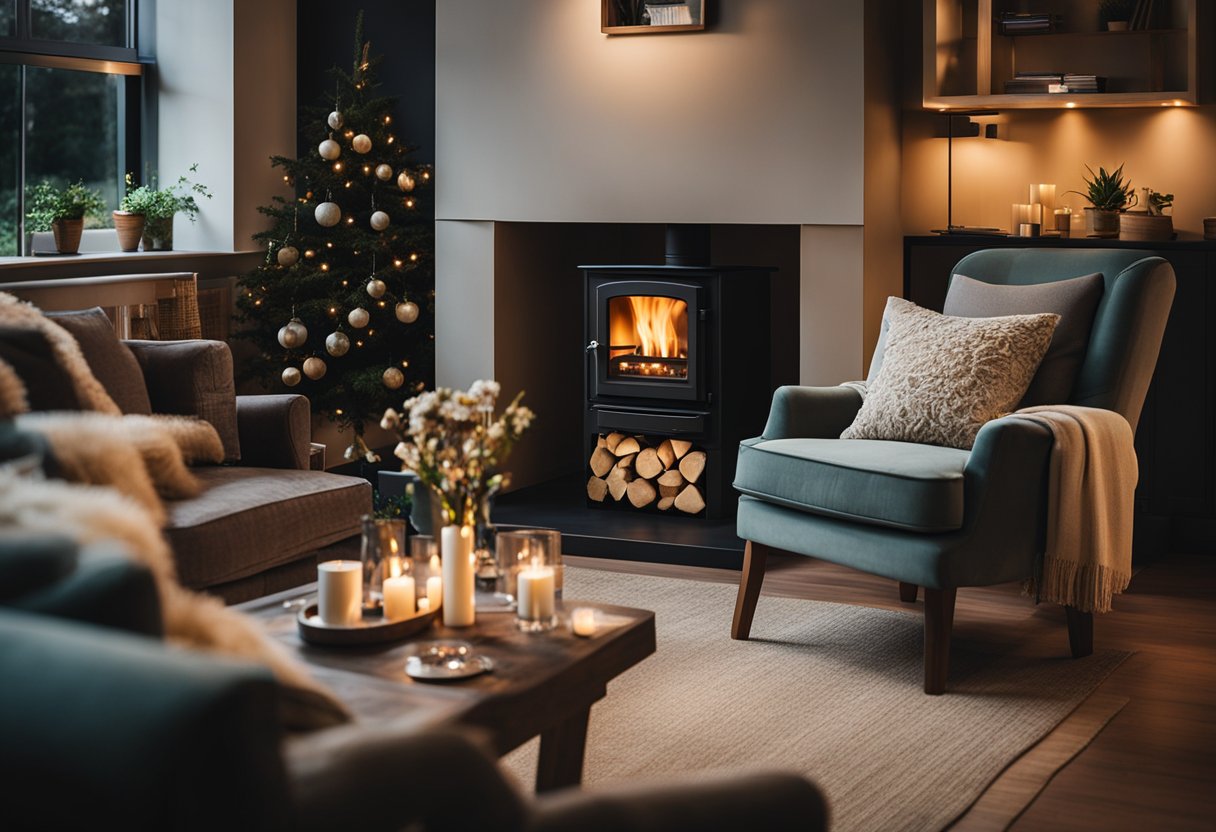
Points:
(593, 346)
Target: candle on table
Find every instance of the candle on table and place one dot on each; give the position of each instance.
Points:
(434, 592)
(398, 597)
(457, 556)
(537, 592)
(583, 620)
(424, 604)
(340, 592)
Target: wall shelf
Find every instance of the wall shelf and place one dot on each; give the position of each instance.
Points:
(967, 61)
(614, 17)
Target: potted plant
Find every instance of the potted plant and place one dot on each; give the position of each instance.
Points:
(1108, 194)
(130, 217)
(1153, 224)
(1116, 14)
(158, 206)
(62, 211)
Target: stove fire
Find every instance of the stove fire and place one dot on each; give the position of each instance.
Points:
(649, 337)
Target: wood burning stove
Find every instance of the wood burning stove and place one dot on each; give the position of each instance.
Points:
(677, 373)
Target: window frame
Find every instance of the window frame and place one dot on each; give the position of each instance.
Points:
(136, 134)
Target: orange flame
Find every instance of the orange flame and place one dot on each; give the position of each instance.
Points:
(657, 326)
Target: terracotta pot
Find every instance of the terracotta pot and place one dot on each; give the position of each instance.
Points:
(67, 235)
(130, 228)
(158, 234)
(1140, 227)
(1102, 223)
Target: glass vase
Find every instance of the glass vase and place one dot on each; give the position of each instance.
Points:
(384, 555)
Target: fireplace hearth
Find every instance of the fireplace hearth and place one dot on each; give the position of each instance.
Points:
(677, 373)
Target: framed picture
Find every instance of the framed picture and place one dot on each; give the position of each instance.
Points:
(651, 17)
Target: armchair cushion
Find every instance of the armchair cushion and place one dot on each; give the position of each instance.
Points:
(109, 359)
(278, 514)
(192, 378)
(897, 484)
(942, 377)
(47, 385)
(275, 429)
(1075, 301)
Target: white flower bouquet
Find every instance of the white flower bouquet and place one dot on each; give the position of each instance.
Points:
(452, 440)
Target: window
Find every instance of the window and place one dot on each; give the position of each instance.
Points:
(70, 90)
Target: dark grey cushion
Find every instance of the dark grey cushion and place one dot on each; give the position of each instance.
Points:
(248, 520)
(47, 385)
(109, 359)
(899, 484)
(1075, 301)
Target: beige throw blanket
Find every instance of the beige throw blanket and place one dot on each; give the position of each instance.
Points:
(1091, 489)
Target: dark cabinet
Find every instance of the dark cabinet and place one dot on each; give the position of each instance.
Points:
(1175, 441)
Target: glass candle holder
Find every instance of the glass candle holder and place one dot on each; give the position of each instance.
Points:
(531, 564)
(428, 571)
(384, 555)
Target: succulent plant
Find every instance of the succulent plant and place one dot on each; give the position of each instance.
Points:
(1107, 191)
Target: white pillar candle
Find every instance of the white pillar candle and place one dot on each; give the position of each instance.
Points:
(1045, 195)
(537, 593)
(583, 620)
(434, 592)
(424, 604)
(457, 555)
(398, 597)
(340, 592)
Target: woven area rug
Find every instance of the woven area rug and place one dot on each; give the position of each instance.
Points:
(829, 690)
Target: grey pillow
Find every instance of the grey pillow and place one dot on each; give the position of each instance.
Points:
(1075, 301)
(109, 359)
(942, 378)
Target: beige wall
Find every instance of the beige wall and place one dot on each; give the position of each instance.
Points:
(227, 100)
(540, 117)
(1171, 149)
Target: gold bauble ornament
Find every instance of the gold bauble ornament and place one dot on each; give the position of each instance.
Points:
(293, 334)
(405, 182)
(407, 312)
(329, 150)
(328, 214)
(291, 376)
(314, 368)
(393, 378)
(288, 256)
(384, 172)
(379, 221)
(358, 317)
(376, 287)
(361, 143)
(337, 344)
(335, 120)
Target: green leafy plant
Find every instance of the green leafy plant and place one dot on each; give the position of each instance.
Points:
(47, 204)
(1107, 191)
(1158, 202)
(162, 203)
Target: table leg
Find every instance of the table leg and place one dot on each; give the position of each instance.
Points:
(561, 753)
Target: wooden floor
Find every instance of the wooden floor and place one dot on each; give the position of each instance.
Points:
(1154, 765)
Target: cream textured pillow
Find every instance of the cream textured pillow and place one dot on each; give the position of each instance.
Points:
(942, 378)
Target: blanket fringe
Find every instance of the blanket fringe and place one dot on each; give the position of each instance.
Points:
(1086, 587)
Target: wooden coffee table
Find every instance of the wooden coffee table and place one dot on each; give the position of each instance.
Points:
(542, 684)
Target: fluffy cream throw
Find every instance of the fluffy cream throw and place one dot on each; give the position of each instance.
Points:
(191, 620)
(1091, 491)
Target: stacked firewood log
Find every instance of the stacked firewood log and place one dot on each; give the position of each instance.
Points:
(647, 471)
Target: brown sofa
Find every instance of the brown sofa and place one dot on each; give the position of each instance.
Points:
(263, 518)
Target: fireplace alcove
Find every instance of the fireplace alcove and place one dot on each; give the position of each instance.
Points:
(540, 345)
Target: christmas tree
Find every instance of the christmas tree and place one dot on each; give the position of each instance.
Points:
(343, 307)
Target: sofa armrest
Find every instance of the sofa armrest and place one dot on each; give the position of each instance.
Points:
(148, 737)
(192, 378)
(729, 802)
(275, 430)
(437, 779)
(811, 412)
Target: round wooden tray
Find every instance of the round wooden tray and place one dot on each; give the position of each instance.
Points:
(368, 631)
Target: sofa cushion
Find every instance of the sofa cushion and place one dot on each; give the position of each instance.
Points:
(109, 359)
(1075, 301)
(47, 385)
(248, 520)
(898, 484)
(943, 377)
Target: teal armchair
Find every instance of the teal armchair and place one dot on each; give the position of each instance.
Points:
(935, 517)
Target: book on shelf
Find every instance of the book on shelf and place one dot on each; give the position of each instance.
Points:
(1012, 23)
(1036, 83)
(669, 14)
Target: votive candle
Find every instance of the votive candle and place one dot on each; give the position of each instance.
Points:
(398, 597)
(583, 621)
(434, 592)
(537, 593)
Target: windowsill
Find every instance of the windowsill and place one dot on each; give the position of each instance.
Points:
(208, 264)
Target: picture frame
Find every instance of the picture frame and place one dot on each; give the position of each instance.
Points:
(651, 17)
